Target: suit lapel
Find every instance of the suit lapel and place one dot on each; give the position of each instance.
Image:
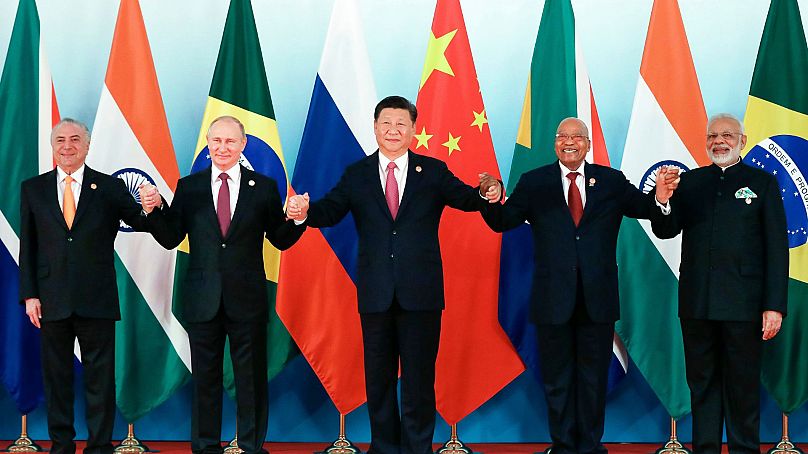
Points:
(413, 180)
(245, 193)
(374, 182)
(591, 190)
(88, 189)
(49, 182)
(557, 196)
(205, 177)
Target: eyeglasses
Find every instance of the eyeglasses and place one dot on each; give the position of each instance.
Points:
(726, 135)
(565, 137)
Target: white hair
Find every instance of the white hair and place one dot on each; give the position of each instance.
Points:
(724, 116)
(71, 121)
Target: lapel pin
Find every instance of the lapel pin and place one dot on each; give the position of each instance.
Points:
(591, 182)
(417, 168)
(251, 182)
(748, 200)
(93, 186)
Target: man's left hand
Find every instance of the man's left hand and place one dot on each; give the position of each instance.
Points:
(667, 180)
(771, 324)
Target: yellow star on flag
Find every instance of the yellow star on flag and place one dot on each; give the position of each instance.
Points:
(436, 56)
(479, 119)
(452, 144)
(423, 139)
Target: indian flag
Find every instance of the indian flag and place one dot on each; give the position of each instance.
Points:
(667, 128)
(240, 89)
(777, 128)
(131, 140)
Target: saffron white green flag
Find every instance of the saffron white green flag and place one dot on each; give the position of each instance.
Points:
(131, 140)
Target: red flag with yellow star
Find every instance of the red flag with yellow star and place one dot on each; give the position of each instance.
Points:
(476, 358)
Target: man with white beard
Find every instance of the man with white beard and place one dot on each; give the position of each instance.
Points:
(732, 285)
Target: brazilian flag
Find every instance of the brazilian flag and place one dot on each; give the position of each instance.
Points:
(777, 128)
(239, 88)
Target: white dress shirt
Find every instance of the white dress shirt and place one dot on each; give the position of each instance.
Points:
(233, 183)
(400, 171)
(78, 178)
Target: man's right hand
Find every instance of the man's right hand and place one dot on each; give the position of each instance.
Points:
(33, 308)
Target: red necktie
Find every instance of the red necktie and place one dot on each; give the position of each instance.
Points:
(391, 189)
(574, 199)
(223, 204)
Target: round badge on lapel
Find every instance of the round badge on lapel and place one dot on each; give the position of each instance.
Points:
(251, 182)
(418, 168)
(93, 186)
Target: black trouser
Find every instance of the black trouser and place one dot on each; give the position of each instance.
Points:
(97, 343)
(411, 337)
(248, 350)
(722, 361)
(575, 358)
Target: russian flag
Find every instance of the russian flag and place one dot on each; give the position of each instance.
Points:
(316, 287)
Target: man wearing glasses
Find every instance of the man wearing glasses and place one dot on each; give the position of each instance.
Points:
(732, 285)
(575, 209)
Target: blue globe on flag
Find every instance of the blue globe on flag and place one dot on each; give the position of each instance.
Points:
(786, 157)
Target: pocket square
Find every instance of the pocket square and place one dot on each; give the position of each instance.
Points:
(745, 193)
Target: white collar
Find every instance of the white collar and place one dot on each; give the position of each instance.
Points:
(234, 173)
(566, 171)
(400, 161)
(78, 175)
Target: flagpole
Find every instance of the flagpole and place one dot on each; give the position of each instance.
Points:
(130, 444)
(673, 446)
(342, 445)
(454, 445)
(232, 447)
(24, 444)
(785, 446)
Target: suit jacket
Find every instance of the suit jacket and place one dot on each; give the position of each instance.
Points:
(225, 270)
(397, 258)
(72, 271)
(734, 254)
(561, 250)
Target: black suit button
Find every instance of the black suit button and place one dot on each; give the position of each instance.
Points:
(574, 268)
(719, 194)
(69, 239)
(722, 177)
(224, 245)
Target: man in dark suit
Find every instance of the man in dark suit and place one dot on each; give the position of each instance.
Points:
(69, 219)
(226, 211)
(396, 198)
(732, 285)
(575, 210)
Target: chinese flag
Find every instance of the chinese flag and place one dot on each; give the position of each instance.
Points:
(476, 358)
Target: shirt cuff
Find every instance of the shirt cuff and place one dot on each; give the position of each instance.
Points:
(666, 208)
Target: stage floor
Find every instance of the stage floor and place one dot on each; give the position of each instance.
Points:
(177, 447)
